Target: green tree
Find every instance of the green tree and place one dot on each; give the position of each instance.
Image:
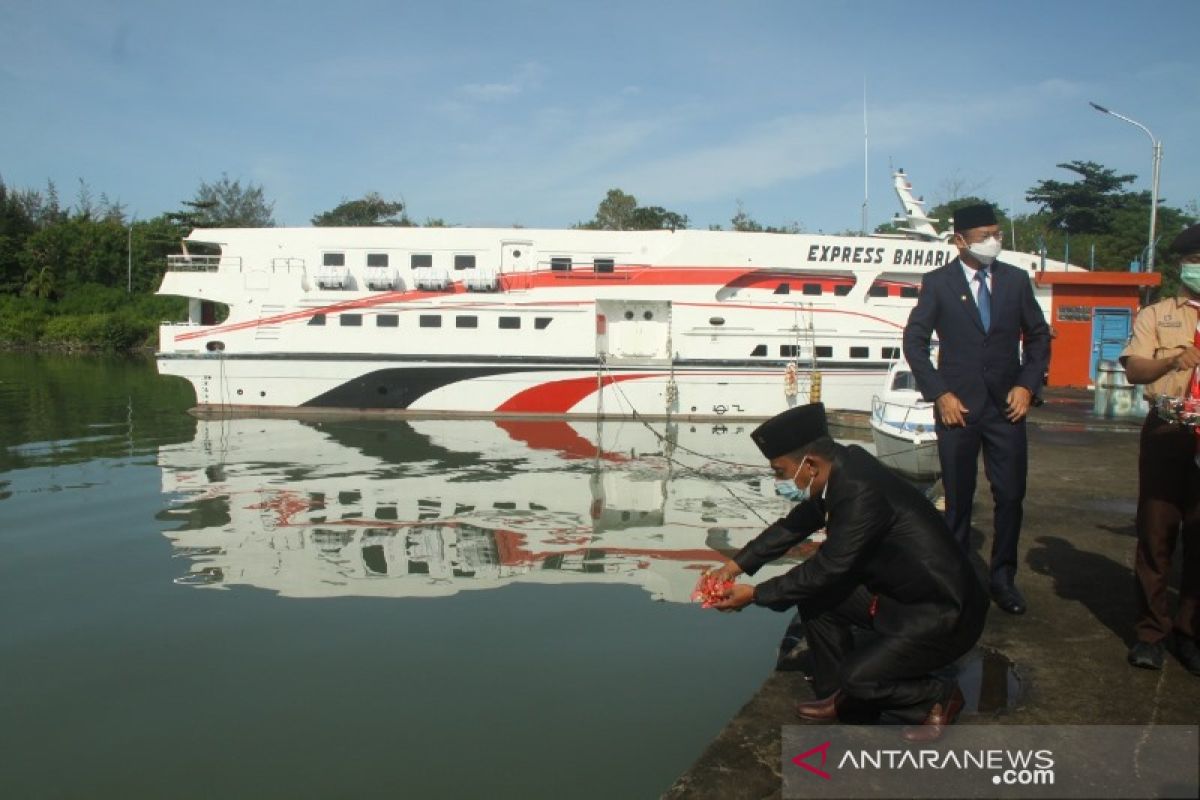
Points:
(653, 218)
(1085, 205)
(226, 204)
(615, 212)
(619, 211)
(742, 221)
(16, 226)
(369, 211)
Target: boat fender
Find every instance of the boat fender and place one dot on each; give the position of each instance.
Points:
(791, 381)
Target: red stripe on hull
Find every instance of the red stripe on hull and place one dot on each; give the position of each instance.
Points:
(557, 397)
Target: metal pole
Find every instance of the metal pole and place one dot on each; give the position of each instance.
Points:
(1154, 200)
(129, 257)
(1157, 148)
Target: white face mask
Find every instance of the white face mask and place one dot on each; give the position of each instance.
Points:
(985, 252)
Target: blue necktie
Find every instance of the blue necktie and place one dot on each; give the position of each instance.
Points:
(985, 299)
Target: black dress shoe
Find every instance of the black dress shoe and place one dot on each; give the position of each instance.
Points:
(1147, 655)
(1008, 599)
(1188, 653)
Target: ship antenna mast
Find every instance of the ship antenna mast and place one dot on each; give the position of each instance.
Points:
(866, 161)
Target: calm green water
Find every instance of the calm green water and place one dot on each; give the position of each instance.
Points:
(276, 608)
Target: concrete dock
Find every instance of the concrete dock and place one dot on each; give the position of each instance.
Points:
(1076, 571)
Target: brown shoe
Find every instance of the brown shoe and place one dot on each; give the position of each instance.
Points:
(940, 717)
(820, 710)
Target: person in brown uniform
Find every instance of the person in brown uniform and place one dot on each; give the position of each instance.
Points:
(1163, 354)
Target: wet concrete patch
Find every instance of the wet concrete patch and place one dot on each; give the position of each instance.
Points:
(990, 682)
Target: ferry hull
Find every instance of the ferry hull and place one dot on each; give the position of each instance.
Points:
(445, 387)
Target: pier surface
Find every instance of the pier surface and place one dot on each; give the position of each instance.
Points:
(1076, 572)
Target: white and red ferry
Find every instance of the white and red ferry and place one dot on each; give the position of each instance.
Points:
(683, 323)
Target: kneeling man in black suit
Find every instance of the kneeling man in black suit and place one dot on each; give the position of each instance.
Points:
(888, 565)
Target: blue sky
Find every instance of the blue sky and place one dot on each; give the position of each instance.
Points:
(526, 112)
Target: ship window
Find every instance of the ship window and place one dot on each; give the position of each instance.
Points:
(824, 351)
(812, 288)
(374, 559)
(510, 323)
(783, 288)
(334, 259)
(603, 264)
(716, 320)
(890, 352)
(377, 259)
(464, 262)
(759, 350)
(788, 351)
(316, 319)
(909, 291)
(878, 290)
(560, 264)
(350, 320)
(541, 323)
(387, 321)
(420, 260)
(466, 322)
(431, 321)
(904, 381)
(418, 568)
(842, 289)
(860, 352)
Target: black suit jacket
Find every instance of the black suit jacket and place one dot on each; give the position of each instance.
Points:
(882, 533)
(974, 364)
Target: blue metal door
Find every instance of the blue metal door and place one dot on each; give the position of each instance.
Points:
(1110, 332)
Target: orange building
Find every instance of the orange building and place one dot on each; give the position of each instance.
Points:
(1091, 317)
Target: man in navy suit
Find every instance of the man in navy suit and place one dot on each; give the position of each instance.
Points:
(982, 311)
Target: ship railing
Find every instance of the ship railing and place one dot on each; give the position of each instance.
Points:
(912, 417)
(186, 263)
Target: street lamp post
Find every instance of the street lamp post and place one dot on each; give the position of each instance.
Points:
(1157, 145)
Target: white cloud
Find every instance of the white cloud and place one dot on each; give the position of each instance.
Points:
(527, 77)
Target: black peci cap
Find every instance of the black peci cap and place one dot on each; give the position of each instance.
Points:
(793, 429)
(975, 216)
(1187, 242)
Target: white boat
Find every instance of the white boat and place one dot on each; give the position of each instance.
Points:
(902, 425)
(509, 322)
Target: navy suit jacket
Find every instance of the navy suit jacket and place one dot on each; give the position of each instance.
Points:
(972, 363)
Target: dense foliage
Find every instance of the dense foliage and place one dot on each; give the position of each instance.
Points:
(81, 276)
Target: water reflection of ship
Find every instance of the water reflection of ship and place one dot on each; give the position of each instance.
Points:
(433, 507)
